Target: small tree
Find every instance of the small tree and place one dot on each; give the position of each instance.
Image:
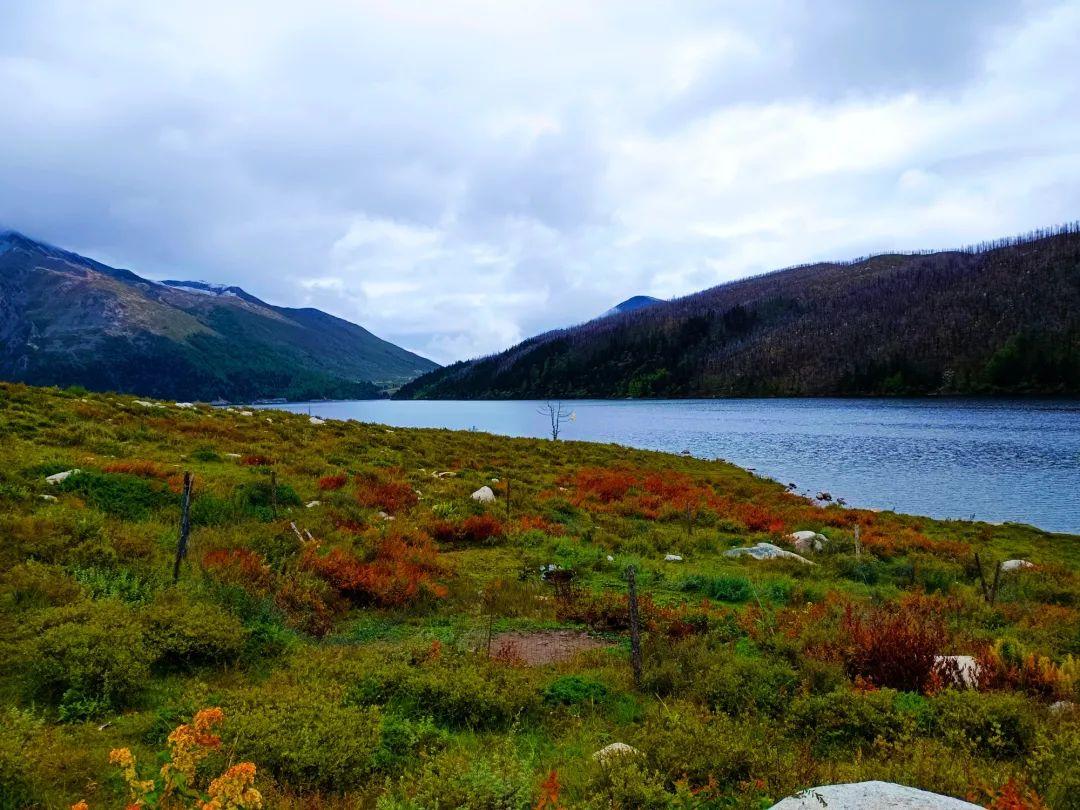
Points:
(556, 414)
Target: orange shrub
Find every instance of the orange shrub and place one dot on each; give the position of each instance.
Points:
(473, 529)
(402, 570)
(605, 485)
(887, 647)
(239, 566)
(329, 483)
(389, 493)
(143, 469)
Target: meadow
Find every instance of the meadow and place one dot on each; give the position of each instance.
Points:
(350, 628)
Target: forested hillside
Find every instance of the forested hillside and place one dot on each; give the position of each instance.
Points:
(998, 318)
(69, 320)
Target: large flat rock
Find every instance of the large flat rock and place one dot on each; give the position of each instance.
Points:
(871, 796)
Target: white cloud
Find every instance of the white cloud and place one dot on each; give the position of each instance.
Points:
(458, 176)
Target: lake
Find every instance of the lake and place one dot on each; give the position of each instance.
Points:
(996, 460)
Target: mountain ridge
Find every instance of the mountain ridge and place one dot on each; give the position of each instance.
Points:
(66, 319)
(995, 318)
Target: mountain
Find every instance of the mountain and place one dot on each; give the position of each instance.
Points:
(998, 318)
(68, 320)
(631, 304)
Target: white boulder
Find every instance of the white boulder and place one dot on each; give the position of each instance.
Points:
(185, 405)
(613, 751)
(672, 558)
(47, 497)
(483, 495)
(877, 795)
(246, 413)
(964, 667)
(1016, 565)
(765, 551)
(807, 540)
(313, 504)
(56, 478)
(316, 420)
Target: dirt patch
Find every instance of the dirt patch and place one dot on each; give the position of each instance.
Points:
(542, 647)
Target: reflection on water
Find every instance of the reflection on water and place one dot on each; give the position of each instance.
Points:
(1016, 460)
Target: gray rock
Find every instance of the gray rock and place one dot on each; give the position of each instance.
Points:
(483, 495)
(807, 540)
(56, 478)
(866, 795)
(765, 551)
(1015, 565)
(614, 751)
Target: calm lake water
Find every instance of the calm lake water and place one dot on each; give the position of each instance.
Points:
(1001, 460)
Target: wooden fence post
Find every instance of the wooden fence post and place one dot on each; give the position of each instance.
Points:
(185, 525)
(273, 493)
(635, 626)
(858, 542)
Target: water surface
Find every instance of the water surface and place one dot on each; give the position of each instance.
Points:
(996, 460)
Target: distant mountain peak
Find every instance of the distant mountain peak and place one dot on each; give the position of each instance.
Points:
(633, 303)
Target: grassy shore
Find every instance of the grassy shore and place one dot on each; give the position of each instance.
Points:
(375, 637)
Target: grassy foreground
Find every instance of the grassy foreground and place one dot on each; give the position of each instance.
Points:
(392, 645)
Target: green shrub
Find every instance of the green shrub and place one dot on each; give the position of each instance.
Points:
(844, 718)
(17, 730)
(718, 676)
(993, 723)
(679, 741)
(206, 454)
(181, 631)
(85, 659)
(573, 690)
(859, 569)
(464, 779)
(125, 496)
(301, 737)
(112, 583)
(625, 782)
(36, 585)
(462, 690)
(722, 588)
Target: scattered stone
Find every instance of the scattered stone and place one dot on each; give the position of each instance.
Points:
(56, 478)
(1062, 706)
(672, 558)
(385, 516)
(610, 558)
(483, 495)
(963, 667)
(47, 497)
(494, 480)
(807, 540)
(615, 750)
(146, 404)
(765, 551)
(1015, 565)
(232, 455)
(185, 404)
(446, 474)
(246, 413)
(879, 795)
(316, 420)
(313, 504)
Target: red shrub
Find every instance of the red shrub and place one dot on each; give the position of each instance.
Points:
(402, 570)
(530, 523)
(388, 493)
(329, 483)
(256, 461)
(605, 485)
(481, 529)
(143, 469)
(238, 566)
(304, 601)
(889, 648)
(757, 518)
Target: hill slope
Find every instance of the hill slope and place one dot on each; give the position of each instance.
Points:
(1000, 318)
(66, 319)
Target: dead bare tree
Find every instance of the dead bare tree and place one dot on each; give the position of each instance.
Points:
(557, 415)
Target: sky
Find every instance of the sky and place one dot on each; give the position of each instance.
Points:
(457, 176)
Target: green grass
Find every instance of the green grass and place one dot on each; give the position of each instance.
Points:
(349, 687)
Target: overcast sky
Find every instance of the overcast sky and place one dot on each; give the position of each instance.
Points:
(458, 176)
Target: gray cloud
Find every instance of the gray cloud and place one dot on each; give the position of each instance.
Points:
(458, 176)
